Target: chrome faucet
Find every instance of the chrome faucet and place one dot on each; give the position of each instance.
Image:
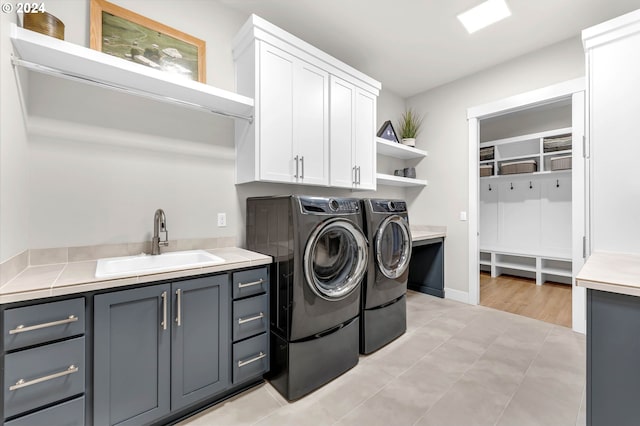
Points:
(159, 225)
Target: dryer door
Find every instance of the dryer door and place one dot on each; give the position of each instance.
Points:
(393, 246)
(335, 259)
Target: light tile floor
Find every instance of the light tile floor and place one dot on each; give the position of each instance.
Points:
(456, 365)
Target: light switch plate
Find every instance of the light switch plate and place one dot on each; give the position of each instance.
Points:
(222, 220)
(463, 216)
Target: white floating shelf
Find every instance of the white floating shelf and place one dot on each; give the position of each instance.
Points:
(390, 180)
(49, 55)
(397, 150)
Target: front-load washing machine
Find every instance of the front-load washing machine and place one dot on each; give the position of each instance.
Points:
(320, 258)
(384, 306)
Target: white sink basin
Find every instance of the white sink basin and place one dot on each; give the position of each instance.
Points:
(148, 264)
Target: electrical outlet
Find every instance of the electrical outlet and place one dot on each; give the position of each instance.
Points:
(463, 216)
(222, 220)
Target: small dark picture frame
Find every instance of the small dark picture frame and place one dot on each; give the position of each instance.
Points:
(387, 132)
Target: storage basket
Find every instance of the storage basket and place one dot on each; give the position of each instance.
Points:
(487, 153)
(557, 143)
(522, 166)
(486, 170)
(561, 163)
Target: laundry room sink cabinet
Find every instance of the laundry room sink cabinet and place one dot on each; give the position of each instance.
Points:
(160, 348)
(315, 116)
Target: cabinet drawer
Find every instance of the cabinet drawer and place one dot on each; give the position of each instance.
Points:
(70, 413)
(250, 358)
(248, 283)
(43, 375)
(43, 323)
(250, 317)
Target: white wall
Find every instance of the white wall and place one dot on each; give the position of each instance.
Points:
(14, 214)
(99, 162)
(445, 137)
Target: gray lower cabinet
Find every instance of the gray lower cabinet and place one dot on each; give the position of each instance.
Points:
(160, 348)
(613, 351)
(200, 339)
(131, 370)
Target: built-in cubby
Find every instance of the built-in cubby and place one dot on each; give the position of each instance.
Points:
(538, 266)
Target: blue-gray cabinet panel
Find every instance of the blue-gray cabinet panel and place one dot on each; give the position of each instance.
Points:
(250, 358)
(56, 363)
(70, 413)
(250, 317)
(200, 339)
(251, 282)
(132, 356)
(36, 324)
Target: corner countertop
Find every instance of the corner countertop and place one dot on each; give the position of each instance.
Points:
(612, 272)
(36, 282)
(427, 232)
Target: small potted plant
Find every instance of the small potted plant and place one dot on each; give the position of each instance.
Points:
(410, 127)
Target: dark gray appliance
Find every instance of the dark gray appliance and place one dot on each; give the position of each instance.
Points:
(384, 306)
(320, 258)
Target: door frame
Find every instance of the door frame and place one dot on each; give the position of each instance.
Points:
(571, 89)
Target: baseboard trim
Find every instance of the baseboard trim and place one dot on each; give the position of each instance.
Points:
(457, 295)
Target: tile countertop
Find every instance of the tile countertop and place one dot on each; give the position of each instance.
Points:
(426, 232)
(36, 282)
(612, 272)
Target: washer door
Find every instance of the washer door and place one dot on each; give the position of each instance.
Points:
(335, 259)
(393, 246)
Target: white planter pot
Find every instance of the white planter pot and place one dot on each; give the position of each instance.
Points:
(409, 142)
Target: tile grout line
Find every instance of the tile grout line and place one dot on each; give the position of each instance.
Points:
(524, 376)
(583, 399)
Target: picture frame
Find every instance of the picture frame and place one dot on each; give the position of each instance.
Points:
(387, 132)
(123, 33)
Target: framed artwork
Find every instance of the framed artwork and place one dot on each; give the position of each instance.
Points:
(387, 132)
(120, 32)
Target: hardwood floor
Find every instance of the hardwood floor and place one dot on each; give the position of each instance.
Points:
(549, 302)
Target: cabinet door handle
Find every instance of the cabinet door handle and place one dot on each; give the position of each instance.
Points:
(24, 383)
(22, 328)
(256, 317)
(254, 359)
(252, 283)
(179, 307)
(302, 167)
(358, 182)
(355, 175)
(296, 160)
(164, 310)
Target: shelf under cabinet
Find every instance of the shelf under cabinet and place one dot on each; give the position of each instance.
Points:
(390, 180)
(49, 55)
(397, 150)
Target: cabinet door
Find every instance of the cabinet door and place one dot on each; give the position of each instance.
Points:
(200, 339)
(311, 123)
(342, 133)
(365, 141)
(131, 356)
(276, 115)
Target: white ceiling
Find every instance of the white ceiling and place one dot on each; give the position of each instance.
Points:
(414, 45)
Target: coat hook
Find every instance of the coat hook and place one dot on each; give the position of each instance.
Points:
(489, 187)
(512, 186)
(530, 186)
(557, 183)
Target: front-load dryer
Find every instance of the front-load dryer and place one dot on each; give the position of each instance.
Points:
(320, 258)
(384, 307)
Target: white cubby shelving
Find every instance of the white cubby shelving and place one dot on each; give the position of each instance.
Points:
(547, 266)
(402, 152)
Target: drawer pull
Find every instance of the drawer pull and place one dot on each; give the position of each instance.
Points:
(22, 383)
(252, 283)
(254, 359)
(245, 320)
(21, 328)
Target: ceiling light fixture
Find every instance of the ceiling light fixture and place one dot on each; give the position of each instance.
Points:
(484, 14)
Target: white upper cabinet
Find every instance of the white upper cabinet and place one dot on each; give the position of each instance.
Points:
(315, 116)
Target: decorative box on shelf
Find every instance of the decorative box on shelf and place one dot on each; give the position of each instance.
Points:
(522, 166)
(561, 162)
